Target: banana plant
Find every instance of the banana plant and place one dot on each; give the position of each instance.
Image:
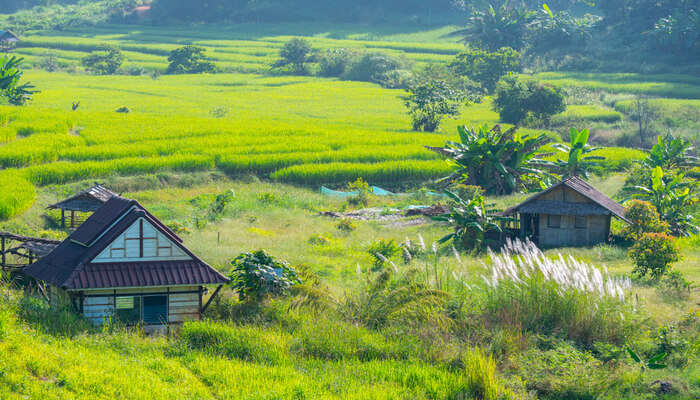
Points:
(652, 363)
(673, 198)
(472, 221)
(670, 153)
(495, 160)
(578, 161)
(10, 76)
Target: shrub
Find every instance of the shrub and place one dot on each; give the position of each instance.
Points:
(382, 250)
(345, 225)
(295, 53)
(123, 110)
(516, 99)
(674, 286)
(653, 253)
(104, 62)
(429, 101)
(334, 62)
(643, 219)
(362, 188)
(257, 275)
(371, 67)
(189, 60)
(486, 68)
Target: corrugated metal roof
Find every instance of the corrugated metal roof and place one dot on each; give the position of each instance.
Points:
(68, 266)
(580, 186)
(86, 201)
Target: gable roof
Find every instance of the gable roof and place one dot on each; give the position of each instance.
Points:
(603, 203)
(87, 200)
(8, 35)
(69, 265)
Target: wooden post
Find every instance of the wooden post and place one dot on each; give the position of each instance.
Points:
(210, 299)
(2, 250)
(72, 218)
(63, 218)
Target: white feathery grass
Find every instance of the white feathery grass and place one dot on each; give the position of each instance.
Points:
(518, 260)
(421, 242)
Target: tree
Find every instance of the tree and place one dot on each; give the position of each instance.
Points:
(645, 114)
(653, 253)
(486, 68)
(671, 153)
(517, 99)
(577, 162)
(495, 160)
(10, 77)
(189, 60)
(295, 53)
(674, 198)
(496, 27)
(258, 275)
(429, 101)
(643, 219)
(104, 62)
(471, 220)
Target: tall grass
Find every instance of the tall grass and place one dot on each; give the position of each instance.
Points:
(17, 194)
(563, 296)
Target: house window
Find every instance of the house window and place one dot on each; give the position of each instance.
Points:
(554, 221)
(151, 310)
(580, 223)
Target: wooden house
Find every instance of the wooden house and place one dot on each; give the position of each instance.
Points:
(79, 205)
(122, 263)
(570, 213)
(7, 39)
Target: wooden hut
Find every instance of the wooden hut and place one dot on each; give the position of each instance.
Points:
(570, 213)
(78, 206)
(7, 40)
(124, 264)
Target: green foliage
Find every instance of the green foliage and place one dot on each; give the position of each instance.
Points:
(189, 60)
(472, 222)
(495, 27)
(516, 99)
(345, 225)
(361, 187)
(556, 30)
(679, 31)
(486, 68)
(652, 363)
(372, 67)
(671, 153)
(578, 161)
(673, 197)
(382, 251)
(257, 275)
(16, 194)
(103, 62)
(295, 53)
(218, 206)
(334, 62)
(481, 381)
(653, 253)
(673, 285)
(495, 160)
(429, 101)
(10, 76)
(643, 219)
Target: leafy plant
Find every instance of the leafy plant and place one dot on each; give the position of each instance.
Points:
(516, 99)
(643, 219)
(334, 62)
(429, 101)
(485, 67)
(671, 153)
(673, 198)
(652, 363)
(382, 250)
(363, 190)
(10, 77)
(219, 204)
(653, 253)
(295, 53)
(345, 225)
(472, 222)
(496, 27)
(105, 61)
(189, 60)
(578, 162)
(257, 275)
(495, 160)
(372, 67)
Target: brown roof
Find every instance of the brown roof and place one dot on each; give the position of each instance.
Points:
(69, 265)
(86, 201)
(605, 205)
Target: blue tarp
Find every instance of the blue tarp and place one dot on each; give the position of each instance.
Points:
(375, 189)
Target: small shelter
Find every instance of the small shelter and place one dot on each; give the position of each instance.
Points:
(7, 39)
(124, 264)
(87, 201)
(570, 213)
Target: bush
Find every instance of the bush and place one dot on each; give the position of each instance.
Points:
(372, 67)
(429, 101)
(257, 275)
(334, 62)
(345, 225)
(674, 286)
(643, 219)
(383, 250)
(295, 53)
(486, 68)
(189, 60)
(515, 100)
(104, 62)
(362, 188)
(653, 253)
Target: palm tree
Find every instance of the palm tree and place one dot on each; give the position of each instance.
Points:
(10, 75)
(497, 161)
(577, 162)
